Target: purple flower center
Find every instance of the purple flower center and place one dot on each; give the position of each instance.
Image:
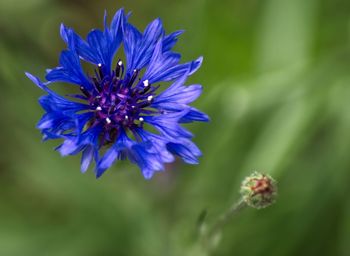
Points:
(119, 102)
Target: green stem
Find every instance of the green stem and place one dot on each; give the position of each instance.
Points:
(225, 218)
(210, 239)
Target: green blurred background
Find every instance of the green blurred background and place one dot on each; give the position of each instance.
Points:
(277, 87)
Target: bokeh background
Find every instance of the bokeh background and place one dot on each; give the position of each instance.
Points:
(276, 80)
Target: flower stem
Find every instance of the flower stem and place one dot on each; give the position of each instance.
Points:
(225, 218)
(209, 238)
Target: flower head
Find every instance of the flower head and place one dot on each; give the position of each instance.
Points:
(259, 190)
(118, 109)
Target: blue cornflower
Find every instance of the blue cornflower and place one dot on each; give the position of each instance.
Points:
(117, 113)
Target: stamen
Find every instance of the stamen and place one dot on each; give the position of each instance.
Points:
(145, 83)
(120, 66)
(146, 103)
(141, 119)
(133, 77)
(96, 84)
(86, 93)
(108, 120)
(117, 68)
(99, 65)
(126, 117)
(98, 108)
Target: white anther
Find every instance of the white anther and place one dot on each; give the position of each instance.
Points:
(98, 108)
(108, 120)
(150, 98)
(135, 70)
(132, 106)
(141, 119)
(99, 65)
(145, 83)
(120, 63)
(126, 117)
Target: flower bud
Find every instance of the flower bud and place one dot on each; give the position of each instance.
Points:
(259, 190)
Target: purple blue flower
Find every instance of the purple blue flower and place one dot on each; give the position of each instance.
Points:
(118, 112)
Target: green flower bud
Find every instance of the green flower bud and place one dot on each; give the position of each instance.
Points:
(259, 190)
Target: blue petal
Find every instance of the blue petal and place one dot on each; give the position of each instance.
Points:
(168, 125)
(185, 149)
(138, 153)
(38, 83)
(194, 115)
(147, 161)
(55, 122)
(147, 173)
(159, 62)
(172, 73)
(107, 161)
(170, 40)
(177, 93)
(112, 154)
(70, 71)
(82, 48)
(158, 144)
(70, 147)
(57, 104)
(114, 37)
(46, 121)
(86, 158)
(101, 46)
(47, 135)
(115, 28)
(64, 31)
(74, 145)
(132, 39)
(150, 36)
(63, 126)
(165, 67)
(139, 47)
